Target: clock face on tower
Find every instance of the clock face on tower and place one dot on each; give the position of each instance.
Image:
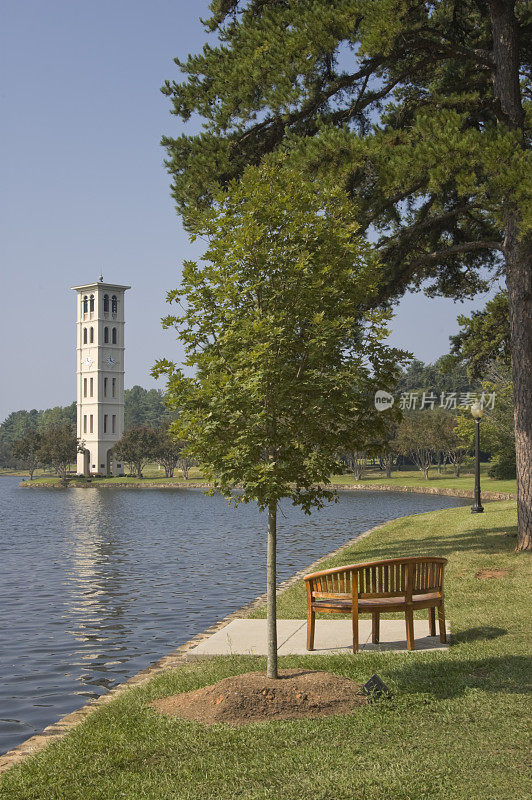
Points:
(110, 361)
(88, 361)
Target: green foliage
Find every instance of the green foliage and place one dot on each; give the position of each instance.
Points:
(28, 450)
(420, 112)
(142, 407)
(59, 447)
(167, 450)
(58, 415)
(137, 447)
(286, 361)
(451, 446)
(15, 426)
(145, 407)
(497, 435)
(418, 437)
(498, 425)
(395, 100)
(429, 436)
(445, 375)
(465, 429)
(484, 338)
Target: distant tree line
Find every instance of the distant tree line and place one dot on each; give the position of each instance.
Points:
(53, 447)
(29, 430)
(141, 407)
(478, 361)
(141, 445)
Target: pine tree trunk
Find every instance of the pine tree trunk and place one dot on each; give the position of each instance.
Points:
(518, 255)
(518, 280)
(271, 589)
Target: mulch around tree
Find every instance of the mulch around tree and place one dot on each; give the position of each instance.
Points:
(252, 697)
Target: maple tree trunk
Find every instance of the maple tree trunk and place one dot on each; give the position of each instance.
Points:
(518, 255)
(271, 592)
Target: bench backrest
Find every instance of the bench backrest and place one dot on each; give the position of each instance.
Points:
(392, 577)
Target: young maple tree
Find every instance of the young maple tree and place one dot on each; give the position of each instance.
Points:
(421, 111)
(285, 360)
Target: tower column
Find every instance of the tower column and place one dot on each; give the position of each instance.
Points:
(100, 375)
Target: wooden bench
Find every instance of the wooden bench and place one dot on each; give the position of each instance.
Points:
(374, 587)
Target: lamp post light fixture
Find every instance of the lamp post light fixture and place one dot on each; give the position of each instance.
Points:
(477, 411)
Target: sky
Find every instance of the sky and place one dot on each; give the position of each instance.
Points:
(84, 189)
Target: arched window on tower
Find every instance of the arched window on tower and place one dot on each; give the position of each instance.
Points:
(91, 304)
(114, 304)
(106, 335)
(106, 303)
(85, 304)
(84, 335)
(113, 337)
(91, 336)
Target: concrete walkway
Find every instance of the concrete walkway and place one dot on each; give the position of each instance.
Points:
(248, 637)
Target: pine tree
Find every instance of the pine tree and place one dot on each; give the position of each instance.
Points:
(420, 111)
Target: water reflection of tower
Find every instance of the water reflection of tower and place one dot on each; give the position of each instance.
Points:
(96, 597)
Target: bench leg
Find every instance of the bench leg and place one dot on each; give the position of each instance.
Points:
(441, 623)
(375, 619)
(355, 629)
(432, 621)
(311, 617)
(409, 618)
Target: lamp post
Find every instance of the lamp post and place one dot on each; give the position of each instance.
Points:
(477, 411)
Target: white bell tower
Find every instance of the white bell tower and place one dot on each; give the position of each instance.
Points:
(100, 375)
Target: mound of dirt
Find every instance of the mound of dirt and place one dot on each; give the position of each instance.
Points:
(498, 572)
(253, 697)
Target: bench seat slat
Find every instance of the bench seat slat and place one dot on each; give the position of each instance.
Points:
(370, 602)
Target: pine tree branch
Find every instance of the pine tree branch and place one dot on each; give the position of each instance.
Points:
(402, 276)
(427, 223)
(455, 249)
(313, 103)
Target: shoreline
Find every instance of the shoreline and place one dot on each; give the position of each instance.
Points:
(57, 730)
(377, 487)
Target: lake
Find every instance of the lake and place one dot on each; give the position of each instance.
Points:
(95, 584)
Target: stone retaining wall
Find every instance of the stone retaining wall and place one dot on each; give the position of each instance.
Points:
(377, 487)
(383, 487)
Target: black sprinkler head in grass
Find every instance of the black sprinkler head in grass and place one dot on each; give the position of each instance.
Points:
(375, 689)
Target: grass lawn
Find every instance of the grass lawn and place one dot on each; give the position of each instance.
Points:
(407, 477)
(413, 477)
(454, 729)
(151, 477)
